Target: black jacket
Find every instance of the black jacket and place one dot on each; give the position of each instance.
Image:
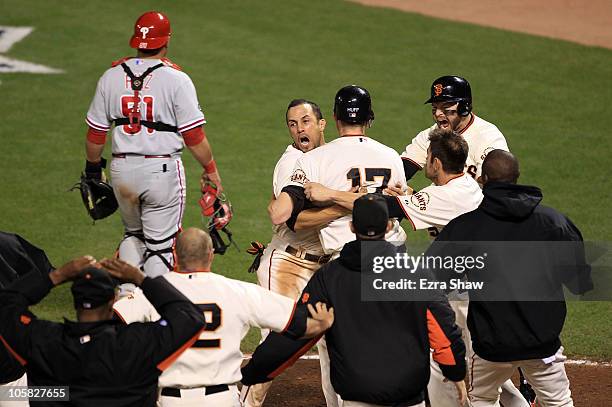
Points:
(104, 363)
(17, 258)
(518, 330)
(379, 351)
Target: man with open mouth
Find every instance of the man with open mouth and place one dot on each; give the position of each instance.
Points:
(451, 108)
(292, 257)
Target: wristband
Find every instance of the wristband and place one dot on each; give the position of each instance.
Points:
(211, 167)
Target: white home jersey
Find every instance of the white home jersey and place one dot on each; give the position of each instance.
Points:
(167, 96)
(436, 205)
(343, 164)
(480, 135)
(230, 307)
(307, 240)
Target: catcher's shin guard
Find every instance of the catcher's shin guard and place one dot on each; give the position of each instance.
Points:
(159, 256)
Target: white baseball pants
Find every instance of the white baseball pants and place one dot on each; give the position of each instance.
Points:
(196, 398)
(444, 394)
(549, 380)
(287, 275)
(151, 196)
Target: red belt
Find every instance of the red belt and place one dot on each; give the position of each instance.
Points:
(140, 155)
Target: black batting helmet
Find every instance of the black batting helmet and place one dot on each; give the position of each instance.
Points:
(353, 105)
(452, 89)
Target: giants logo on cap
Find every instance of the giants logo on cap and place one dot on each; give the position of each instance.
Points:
(438, 89)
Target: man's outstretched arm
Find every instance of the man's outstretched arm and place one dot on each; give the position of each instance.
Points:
(321, 194)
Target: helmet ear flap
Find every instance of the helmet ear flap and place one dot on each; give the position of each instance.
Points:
(464, 107)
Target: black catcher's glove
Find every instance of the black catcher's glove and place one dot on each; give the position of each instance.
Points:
(97, 195)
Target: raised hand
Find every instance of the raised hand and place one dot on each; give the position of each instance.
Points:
(123, 271)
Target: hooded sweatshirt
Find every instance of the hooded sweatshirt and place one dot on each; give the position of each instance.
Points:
(517, 330)
(379, 350)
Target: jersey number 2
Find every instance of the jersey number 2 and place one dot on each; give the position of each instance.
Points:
(211, 325)
(127, 102)
(382, 175)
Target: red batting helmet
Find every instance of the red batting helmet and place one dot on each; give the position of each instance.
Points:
(151, 31)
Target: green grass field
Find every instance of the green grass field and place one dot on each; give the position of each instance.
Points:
(247, 60)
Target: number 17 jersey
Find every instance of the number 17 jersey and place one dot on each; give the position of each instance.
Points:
(346, 163)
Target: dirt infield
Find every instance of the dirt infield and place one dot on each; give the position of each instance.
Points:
(583, 22)
(300, 386)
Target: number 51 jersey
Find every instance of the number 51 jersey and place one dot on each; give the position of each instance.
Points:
(230, 307)
(346, 163)
(167, 96)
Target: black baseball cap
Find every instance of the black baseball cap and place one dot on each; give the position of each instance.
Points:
(370, 215)
(92, 288)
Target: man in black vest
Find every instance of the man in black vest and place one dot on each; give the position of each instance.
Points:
(516, 318)
(102, 361)
(379, 350)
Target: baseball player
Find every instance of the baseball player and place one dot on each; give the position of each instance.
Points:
(292, 257)
(451, 107)
(207, 373)
(349, 162)
(453, 193)
(379, 349)
(518, 333)
(353, 161)
(154, 108)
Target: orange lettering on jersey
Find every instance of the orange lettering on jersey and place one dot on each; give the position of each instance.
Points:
(120, 61)
(25, 319)
(305, 298)
(438, 89)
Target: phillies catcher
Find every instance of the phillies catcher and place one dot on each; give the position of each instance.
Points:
(155, 112)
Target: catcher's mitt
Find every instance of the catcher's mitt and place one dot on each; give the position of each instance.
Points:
(218, 208)
(98, 197)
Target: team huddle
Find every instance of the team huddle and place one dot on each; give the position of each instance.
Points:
(170, 334)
